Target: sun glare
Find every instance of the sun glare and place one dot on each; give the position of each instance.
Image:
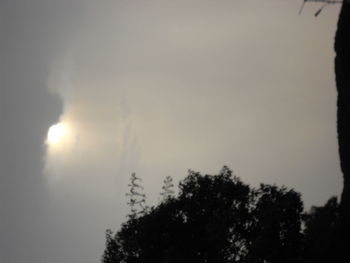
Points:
(56, 133)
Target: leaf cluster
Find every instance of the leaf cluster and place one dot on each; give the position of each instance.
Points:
(218, 218)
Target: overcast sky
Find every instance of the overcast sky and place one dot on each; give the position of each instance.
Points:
(155, 87)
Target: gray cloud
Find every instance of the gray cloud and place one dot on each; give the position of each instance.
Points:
(158, 87)
(32, 33)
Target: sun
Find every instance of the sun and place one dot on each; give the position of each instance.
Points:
(56, 133)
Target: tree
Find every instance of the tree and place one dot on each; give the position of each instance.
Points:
(320, 229)
(277, 233)
(214, 218)
(111, 254)
(137, 199)
(342, 72)
(216, 209)
(167, 188)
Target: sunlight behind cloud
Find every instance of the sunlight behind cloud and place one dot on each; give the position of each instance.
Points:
(56, 133)
(61, 138)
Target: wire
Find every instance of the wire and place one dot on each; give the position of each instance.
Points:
(320, 10)
(302, 7)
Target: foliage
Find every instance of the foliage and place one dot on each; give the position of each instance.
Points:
(216, 209)
(137, 199)
(112, 252)
(167, 188)
(216, 218)
(277, 225)
(320, 228)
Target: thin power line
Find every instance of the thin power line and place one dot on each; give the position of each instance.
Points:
(325, 3)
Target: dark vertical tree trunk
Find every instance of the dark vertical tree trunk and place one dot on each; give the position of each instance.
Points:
(342, 71)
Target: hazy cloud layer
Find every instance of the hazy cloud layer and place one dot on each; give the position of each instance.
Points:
(158, 87)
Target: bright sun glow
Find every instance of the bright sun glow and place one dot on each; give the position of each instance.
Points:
(56, 133)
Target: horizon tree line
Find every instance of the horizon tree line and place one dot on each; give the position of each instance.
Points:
(218, 218)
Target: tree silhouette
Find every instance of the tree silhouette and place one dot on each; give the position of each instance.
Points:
(167, 188)
(277, 233)
(137, 199)
(111, 254)
(216, 209)
(342, 71)
(320, 226)
(214, 218)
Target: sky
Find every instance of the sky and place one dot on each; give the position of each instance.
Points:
(157, 88)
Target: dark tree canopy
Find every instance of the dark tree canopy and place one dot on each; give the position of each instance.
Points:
(277, 230)
(214, 218)
(342, 72)
(320, 232)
